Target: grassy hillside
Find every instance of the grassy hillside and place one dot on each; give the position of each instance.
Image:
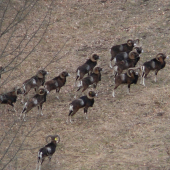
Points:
(126, 132)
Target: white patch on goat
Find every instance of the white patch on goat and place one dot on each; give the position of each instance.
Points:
(81, 102)
(114, 60)
(121, 48)
(1, 98)
(115, 68)
(153, 64)
(46, 89)
(71, 107)
(48, 149)
(110, 64)
(122, 76)
(24, 87)
(79, 84)
(25, 105)
(125, 55)
(33, 81)
(91, 79)
(56, 84)
(78, 73)
(35, 101)
(87, 67)
(113, 93)
(126, 64)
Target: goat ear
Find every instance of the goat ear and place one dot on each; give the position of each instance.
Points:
(129, 43)
(40, 75)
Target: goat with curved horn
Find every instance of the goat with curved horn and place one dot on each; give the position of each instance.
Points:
(36, 100)
(48, 150)
(154, 64)
(130, 77)
(126, 47)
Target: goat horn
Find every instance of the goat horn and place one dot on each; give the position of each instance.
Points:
(132, 55)
(40, 75)
(41, 90)
(158, 55)
(47, 138)
(129, 42)
(128, 71)
(92, 59)
(57, 138)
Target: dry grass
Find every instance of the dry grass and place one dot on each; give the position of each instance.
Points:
(125, 132)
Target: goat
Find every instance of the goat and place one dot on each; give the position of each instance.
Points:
(122, 48)
(10, 97)
(128, 63)
(84, 101)
(156, 64)
(57, 82)
(125, 55)
(93, 78)
(34, 82)
(36, 100)
(87, 67)
(130, 77)
(48, 150)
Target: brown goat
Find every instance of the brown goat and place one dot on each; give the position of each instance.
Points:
(83, 102)
(34, 82)
(122, 48)
(36, 100)
(87, 67)
(56, 83)
(92, 79)
(131, 77)
(156, 64)
(10, 97)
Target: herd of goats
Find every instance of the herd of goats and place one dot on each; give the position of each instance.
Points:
(124, 56)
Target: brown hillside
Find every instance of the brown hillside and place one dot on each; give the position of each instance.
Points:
(126, 132)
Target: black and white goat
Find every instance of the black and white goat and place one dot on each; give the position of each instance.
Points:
(83, 102)
(56, 83)
(133, 59)
(130, 77)
(86, 67)
(156, 64)
(48, 150)
(10, 97)
(36, 100)
(34, 82)
(125, 55)
(122, 48)
(92, 79)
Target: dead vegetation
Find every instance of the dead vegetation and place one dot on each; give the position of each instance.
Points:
(126, 132)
